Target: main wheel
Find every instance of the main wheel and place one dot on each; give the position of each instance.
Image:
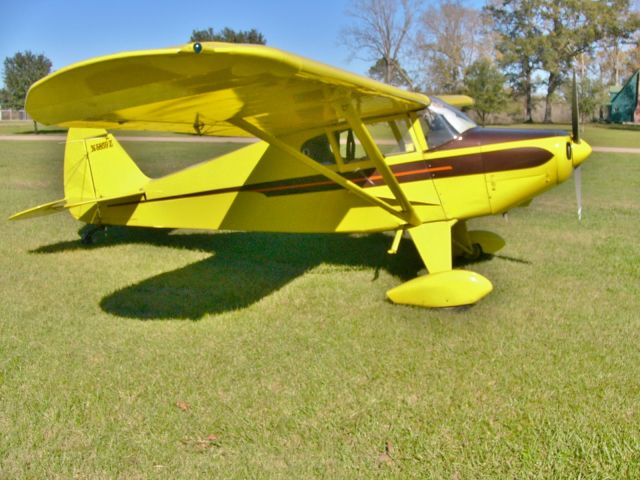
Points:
(476, 254)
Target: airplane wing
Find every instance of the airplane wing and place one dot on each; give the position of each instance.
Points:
(206, 89)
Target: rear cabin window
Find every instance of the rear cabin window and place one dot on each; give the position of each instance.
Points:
(319, 149)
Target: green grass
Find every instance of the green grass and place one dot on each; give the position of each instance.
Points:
(598, 135)
(26, 128)
(159, 354)
(14, 127)
(613, 135)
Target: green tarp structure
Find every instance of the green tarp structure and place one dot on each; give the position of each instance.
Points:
(625, 105)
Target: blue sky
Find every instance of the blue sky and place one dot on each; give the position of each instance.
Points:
(70, 31)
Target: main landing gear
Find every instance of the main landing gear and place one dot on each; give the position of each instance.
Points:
(437, 243)
(88, 233)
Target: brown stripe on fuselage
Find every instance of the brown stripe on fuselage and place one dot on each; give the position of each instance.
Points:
(454, 166)
(474, 163)
(496, 161)
(476, 137)
(515, 159)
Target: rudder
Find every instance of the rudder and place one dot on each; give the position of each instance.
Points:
(96, 166)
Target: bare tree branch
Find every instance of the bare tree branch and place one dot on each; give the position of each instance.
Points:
(380, 31)
(450, 39)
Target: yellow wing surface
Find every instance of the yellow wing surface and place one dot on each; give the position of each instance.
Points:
(207, 89)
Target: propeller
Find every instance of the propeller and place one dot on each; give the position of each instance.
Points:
(574, 112)
(577, 178)
(575, 138)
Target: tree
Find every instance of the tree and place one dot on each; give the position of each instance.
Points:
(617, 59)
(485, 84)
(518, 45)
(610, 59)
(400, 77)
(4, 97)
(229, 35)
(570, 28)
(450, 39)
(380, 33)
(632, 62)
(20, 72)
(591, 96)
(551, 34)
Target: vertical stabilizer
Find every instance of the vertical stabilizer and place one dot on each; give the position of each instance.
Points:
(96, 166)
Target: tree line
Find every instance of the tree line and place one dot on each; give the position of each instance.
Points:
(506, 49)
(527, 46)
(25, 68)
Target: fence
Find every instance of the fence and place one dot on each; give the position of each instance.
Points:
(14, 115)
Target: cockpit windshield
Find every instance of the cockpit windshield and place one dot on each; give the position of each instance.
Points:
(444, 123)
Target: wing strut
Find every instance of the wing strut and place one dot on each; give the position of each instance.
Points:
(330, 174)
(375, 155)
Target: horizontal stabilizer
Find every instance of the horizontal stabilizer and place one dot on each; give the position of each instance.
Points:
(61, 205)
(41, 210)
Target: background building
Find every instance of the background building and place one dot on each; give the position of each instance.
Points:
(625, 104)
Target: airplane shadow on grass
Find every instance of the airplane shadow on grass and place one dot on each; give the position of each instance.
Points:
(243, 268)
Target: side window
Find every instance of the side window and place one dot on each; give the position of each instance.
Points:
(392, 137)
(351, 150)
(319, 149)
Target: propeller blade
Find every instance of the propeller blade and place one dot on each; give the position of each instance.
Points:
(574, 111)
(577, 178)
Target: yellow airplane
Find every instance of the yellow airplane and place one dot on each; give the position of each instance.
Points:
(337, 153)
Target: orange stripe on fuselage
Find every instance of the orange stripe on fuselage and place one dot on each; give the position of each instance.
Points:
(356, 180)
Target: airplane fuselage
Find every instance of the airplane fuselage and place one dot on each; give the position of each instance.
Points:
(259, 188)
(337, 153)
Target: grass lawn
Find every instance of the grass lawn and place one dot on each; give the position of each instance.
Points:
(598, 135)
(23, 127)
(613, 135)
(158, 354)
(26, 128)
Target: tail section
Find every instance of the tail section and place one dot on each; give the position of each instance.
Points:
(96, 170)
(96, 166)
